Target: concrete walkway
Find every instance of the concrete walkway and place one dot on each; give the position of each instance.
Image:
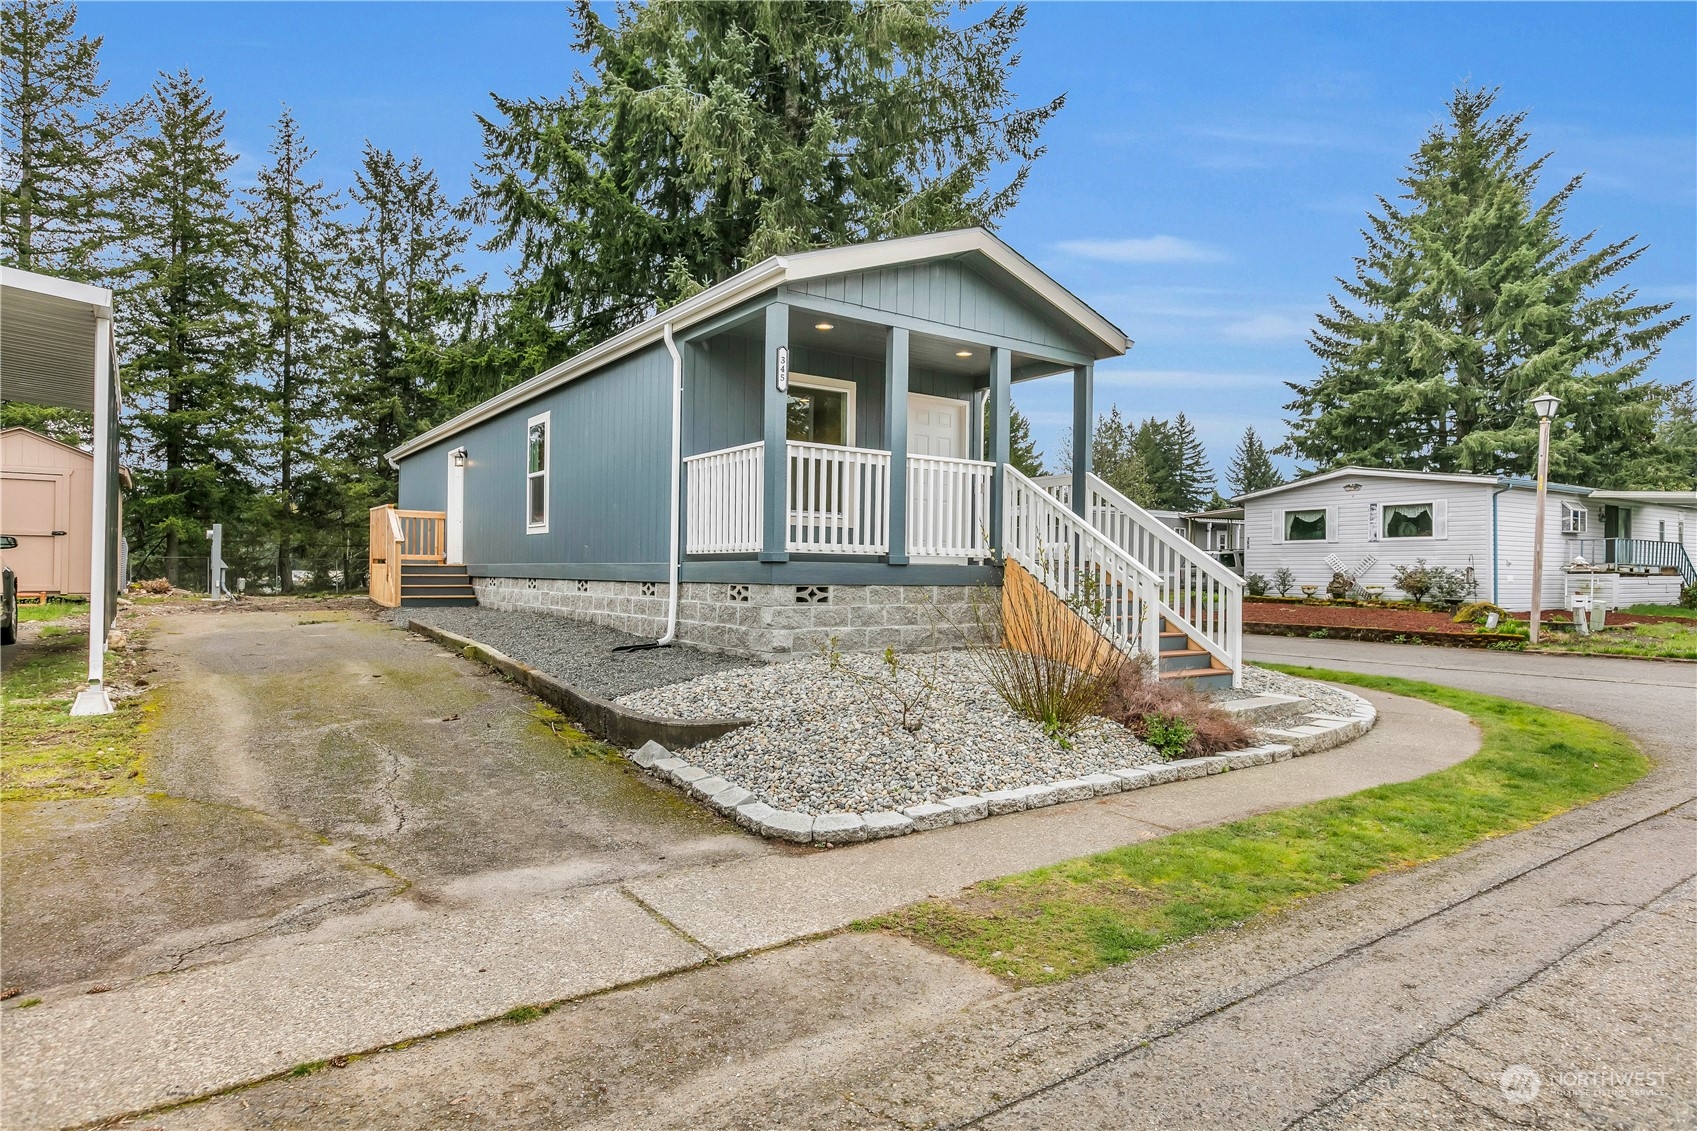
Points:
(437, 959)
(1395, 1003)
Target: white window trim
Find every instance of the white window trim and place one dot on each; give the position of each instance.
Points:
(1579, 509)
(1284, 524)
(546, 419)
(831, 385)
(1385, 509)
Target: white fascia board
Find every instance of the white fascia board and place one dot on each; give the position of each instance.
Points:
(1375, 472)
(98, 300)
(1666, 498)
(708, 303)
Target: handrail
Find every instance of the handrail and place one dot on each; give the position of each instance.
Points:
(1061, 487)
(837, 500)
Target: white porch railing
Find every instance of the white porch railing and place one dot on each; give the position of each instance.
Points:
(948, 507)
(1199, 594)
(839, 499)
(726, 492)
(1074, 560)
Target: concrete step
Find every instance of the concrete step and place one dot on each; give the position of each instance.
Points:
(1267, 709)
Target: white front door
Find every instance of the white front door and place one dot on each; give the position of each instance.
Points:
(936, 426)
(455, 508)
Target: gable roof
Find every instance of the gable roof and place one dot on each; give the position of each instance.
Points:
(776, 271)
(46, 439)
(1353, 472)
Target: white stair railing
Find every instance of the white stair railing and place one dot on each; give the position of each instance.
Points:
(725, 491)
(1199, 594)
(948, 506)
(1073, 560)
(839, 499)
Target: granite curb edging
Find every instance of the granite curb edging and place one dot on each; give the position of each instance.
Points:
(723, 796)
(618, 725)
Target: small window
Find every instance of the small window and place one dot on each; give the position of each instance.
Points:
(1407, 520)
(820, 411)
(537, 443)
(1661, 531)
(1305, 526)
(1574, 518)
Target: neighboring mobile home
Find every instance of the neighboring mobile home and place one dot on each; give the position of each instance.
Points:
(1481, 525)
(815, 448)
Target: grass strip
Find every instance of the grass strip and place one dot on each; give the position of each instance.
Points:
(45, 754)
(1095, 911)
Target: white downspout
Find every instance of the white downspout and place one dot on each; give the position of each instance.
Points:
(672, 558)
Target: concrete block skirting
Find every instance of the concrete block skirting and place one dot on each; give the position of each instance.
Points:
(1320, 732)
(766, 622)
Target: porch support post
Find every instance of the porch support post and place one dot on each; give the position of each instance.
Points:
(1083, 426)
(775, 412)
(895, 428)
(1001, 405)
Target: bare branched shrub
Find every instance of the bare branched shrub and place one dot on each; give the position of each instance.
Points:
(1043, 654)
(1140, 702)
(905, 682)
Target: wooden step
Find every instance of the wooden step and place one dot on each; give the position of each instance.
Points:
(1201, 677)
(1186, 659)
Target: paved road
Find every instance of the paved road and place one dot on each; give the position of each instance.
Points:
(1397, 1003)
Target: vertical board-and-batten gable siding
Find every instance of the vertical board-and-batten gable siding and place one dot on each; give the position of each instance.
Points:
(722, 390)
(609, 472)
(1466, 526)
(951, 293)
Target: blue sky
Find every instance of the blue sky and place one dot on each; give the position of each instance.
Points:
(1204, 184)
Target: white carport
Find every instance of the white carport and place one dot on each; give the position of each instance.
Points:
(56, 348)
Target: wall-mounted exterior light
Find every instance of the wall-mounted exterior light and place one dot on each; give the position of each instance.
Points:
(459, 457)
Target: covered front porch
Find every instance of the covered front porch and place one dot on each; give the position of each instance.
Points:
(813, 434)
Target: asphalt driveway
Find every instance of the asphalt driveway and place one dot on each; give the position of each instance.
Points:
(304, 766)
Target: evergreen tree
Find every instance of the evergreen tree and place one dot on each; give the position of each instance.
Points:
(1116, 460)
(1153, 442)
(294, 258)
(188, 334)
(1022, 453)
(1468, 301)
(405, 290)
(60, 144)
(1192, 479)
(1251, 469)
(710, 135)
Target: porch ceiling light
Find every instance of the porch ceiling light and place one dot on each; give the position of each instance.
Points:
(823, 326)
(1545, 405)
(963, 353)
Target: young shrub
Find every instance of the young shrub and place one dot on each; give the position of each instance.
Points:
(1284, 580)
(1414, 580)
(1044, 656)
(1255, 585)
(1139, 697)
(1170, 736)
(1688, 597)
(906, 683)
(1445, 584)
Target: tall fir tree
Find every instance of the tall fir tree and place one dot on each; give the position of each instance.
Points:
(707, 136)
(1470, 299)
(1152, 440)
(294, 259)
(1022, 451)
(405, 288)
(1251, 468)
(188, 335)
(1192, 479)
(62, 146)
(1116, 461)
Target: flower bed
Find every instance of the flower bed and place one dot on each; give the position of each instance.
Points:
(1310, 614)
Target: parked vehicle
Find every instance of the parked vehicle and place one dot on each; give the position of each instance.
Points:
(9, 605)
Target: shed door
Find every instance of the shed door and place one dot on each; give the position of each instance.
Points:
(38, 515)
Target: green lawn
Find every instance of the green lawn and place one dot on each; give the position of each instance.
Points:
(53, 610)
(1663, 611)
(1096, 911)
(1676, 641)
(45, 754)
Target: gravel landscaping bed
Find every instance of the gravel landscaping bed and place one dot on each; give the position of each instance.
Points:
(1327, 700)
(574, 651)
(824, 741)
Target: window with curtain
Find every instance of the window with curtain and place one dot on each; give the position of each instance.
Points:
(1306, 526)
(1408, 520)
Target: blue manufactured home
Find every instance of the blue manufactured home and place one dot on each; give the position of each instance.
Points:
(816, 447)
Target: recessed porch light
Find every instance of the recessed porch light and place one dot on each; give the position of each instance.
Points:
(963, 353)
(823, 326)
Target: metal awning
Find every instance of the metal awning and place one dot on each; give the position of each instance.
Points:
(57, 348)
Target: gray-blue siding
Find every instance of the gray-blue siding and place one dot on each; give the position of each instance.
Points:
(609, 474)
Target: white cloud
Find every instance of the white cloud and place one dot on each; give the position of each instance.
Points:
(1262, 328)
(1149, 249)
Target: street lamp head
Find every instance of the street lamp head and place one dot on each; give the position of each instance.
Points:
(1545, 405)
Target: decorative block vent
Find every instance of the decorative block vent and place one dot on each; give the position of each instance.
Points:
(648, 588)
(813, 594)
(530, 583)
(739, 594)
(583, 587)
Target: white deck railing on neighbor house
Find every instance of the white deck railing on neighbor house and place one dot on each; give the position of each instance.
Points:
(948, 507)
(1200, 594)
(725, 490)
(1076, 562)
(839, 499)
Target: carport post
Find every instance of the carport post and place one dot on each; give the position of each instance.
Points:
(95, 701)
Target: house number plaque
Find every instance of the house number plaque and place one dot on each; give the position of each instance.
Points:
(783, 369)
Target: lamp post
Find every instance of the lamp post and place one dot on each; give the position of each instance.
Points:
(1545, 406)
